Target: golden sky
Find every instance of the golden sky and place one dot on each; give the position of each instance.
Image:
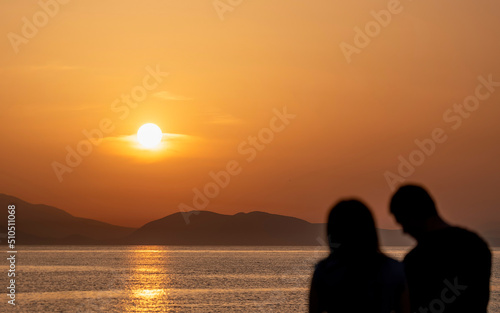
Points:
(230, 69)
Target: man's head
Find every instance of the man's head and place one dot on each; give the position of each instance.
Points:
(413, 207)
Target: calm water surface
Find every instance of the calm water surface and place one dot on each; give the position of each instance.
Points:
(171, 279)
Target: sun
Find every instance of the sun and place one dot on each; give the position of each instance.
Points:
(149, 135)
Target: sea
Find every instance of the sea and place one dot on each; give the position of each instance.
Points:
(171, 279)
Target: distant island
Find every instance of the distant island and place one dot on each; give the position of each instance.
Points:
(39, 224)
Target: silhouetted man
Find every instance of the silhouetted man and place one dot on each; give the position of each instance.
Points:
(449, 270)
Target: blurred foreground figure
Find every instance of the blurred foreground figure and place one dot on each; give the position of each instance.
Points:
(357, 276)
(449, 270)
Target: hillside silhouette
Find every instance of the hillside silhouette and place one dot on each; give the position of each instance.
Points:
(41, 224)
(254, 228)
(209, 228)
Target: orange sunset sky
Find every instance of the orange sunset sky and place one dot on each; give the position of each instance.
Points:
(228, 73)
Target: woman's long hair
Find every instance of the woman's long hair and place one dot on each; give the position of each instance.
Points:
(352, 270)
(351, 231)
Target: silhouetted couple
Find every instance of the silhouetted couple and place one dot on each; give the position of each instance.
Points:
(447, 272)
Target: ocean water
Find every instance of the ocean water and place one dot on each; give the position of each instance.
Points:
(171, 279)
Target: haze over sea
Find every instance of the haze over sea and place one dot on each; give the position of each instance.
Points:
(173, 279)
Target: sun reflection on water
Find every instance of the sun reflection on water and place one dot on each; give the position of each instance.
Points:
(148, 293)
(149, 281)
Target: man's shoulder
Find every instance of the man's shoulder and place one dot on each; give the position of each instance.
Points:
(453, 235)
(466, 238)
(452, 240)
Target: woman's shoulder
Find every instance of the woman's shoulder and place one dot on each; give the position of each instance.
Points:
(324, 263)
(329, 265)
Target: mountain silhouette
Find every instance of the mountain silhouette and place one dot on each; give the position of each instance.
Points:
(42, 224)
(209, 228)
(254, 228)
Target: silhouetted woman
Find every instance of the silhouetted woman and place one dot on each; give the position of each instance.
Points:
(356, 276)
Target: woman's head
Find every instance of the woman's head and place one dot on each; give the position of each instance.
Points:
(351, 229)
